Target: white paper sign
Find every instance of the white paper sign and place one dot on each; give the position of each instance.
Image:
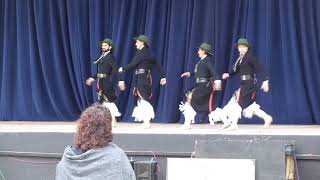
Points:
(210, 169)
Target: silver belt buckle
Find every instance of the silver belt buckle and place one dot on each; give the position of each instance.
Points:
(201, 80)
(141, 71)
(101, 75)
(246, 77)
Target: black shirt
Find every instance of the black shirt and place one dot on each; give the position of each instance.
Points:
(107, 65)
(204, 69)
(143, 60)
(249, 66)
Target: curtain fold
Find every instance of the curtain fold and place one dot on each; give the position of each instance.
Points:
(48, 48)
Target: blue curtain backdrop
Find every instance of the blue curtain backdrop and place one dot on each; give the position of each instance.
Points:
(47, 50)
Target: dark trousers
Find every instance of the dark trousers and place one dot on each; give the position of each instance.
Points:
(105, 90)
(248, 89)
(143, 86)
(203, 97)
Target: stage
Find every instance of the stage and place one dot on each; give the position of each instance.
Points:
(32, 149)
(157, 128)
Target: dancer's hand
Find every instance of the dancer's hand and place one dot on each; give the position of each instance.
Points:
(120, 70)
(163, 81)
(217, 85)
(265, 86)
(89, 81)
(185, 74)
(122, 85)
(225, 76)
(237, 95)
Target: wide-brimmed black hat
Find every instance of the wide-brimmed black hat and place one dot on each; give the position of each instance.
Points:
(142, 38)
(206, 47)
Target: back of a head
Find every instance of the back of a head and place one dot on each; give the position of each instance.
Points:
(94, 128)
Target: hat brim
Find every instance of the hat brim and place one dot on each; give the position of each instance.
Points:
(106, 43)
(136, 38)
(209, 52)
(238, 44)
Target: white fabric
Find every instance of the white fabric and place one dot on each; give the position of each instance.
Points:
(112, 108)
(233, 109)
(188, 112)
(143, 112)
(229, 113)
(248, 112)
(217, 115)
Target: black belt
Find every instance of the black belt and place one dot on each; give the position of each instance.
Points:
(142, 71)
(246, 77)
(202, 80)
(99, 75)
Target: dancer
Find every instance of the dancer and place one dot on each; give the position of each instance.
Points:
(106, 66)
(142, 64)
(200, 98)
(247, 67)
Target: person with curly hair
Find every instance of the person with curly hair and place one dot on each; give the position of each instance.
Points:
(94, 156)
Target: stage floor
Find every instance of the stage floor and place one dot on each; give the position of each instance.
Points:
(157, 128)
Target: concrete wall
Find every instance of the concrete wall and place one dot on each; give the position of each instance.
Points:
(33, 156)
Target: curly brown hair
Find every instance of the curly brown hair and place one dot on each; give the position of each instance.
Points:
(94, 129)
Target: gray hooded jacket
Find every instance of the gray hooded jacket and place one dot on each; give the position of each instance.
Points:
(108, 163)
